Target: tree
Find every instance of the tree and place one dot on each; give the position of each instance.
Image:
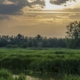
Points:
(38, 40)
(19, 39)
(73, 35)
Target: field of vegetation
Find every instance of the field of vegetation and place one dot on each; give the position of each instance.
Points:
(56, 61)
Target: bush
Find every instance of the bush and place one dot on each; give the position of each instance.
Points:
(22, 77)
(59, 52)
(12, 46)
(71, 77)
(5, 75)
(24, 45)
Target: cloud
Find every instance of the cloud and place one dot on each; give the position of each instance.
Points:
(9, 7)
(2, 17)
(74, 16)
(1, 1)
(75, 10)
(40, 2)
(59, 2)
(13, 8)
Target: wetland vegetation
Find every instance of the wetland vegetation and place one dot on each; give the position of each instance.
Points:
(62, 62)
(39, 56)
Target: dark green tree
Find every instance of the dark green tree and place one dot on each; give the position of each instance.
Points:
(73, 35)
(35, 42)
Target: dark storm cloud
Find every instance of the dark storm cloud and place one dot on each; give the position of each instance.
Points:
(59, 2)
(9, 9)
(40, 2)
(13, 8)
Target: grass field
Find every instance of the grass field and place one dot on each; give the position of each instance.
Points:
(57, 61)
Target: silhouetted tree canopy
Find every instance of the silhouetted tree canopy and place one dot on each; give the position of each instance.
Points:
(73, 35)
(37, 41)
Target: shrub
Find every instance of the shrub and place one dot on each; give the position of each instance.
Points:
(59, 52)
(71, 77)
(4, 73)
(22, 77)
(12, 46)
(24, 45)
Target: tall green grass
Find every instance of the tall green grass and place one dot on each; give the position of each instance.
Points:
(45, 60)
(7, 75)
(71, 77)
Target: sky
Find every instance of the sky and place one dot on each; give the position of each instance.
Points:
(32, 17)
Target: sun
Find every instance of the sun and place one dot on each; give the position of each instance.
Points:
(49, 6)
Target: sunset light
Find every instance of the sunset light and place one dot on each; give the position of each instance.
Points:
(40, 39)
(31, 17)
(49, 6)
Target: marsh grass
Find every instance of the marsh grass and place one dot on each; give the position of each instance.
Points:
(71, 77)
(7, 75)
(45, 61)
(4, 73)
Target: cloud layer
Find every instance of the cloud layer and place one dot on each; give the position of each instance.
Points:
(13, 8)
(17, 5)
(29, 17)
(9, 7)
(58, 2)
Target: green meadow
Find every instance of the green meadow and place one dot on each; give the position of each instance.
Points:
(64, 62)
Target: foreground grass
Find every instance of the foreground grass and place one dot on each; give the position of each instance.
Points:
(41, 60)
(6, 75)
(71, 77)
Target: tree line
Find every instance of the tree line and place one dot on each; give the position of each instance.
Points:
(37, 41)
(72, 39)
